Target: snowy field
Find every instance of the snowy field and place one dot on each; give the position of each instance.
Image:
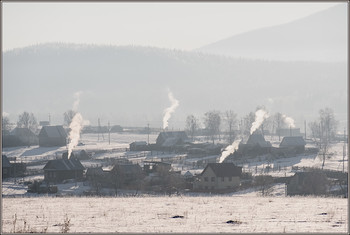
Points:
(248, 214)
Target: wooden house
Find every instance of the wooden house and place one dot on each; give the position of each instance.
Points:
(169, 139)
(218, 177)
(6, 167)
(50, 136)
(56, 171)
(295, 144)
(24, 136)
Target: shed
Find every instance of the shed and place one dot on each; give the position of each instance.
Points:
(127, 173)
(138, 146)
(296, 143)
(50, 136)
(308, 183)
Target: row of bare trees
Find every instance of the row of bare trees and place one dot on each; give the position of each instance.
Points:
(28, 120)
(323, 130)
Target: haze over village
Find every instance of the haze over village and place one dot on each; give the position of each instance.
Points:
(254, 119)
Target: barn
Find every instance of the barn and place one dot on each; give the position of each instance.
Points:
(295, 144)
(51, 136)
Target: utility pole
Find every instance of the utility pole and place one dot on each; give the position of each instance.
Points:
(148, 133)
(344, 148)
(109, 134)
(49, 119)
(305, 128)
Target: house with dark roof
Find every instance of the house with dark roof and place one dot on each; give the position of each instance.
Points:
(6, 167)
(168, 139)
(218, 177)
(62, 169)
(258, 140)
(24, 136)
(50, 136)
(295, 144)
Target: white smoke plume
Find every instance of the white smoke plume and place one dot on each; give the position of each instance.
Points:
(168, 111)
(75, 126)
(288, 120)
(74, 135)
(77, 100)
(260, 116)
(228, 150)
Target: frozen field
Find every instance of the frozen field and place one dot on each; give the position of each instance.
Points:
(248, 214)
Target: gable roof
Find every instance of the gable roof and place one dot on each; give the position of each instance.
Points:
(22, 132)
(258, 139)
(292, 141)
(5, 161)
(224, 169)
(53, 131)
(64, 164)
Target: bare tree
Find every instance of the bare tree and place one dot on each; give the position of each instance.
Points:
(212, 122)
(230, 119)
(278, 122)
(247, 123)
(323, 132)
(192, 125)
(68, 117)
(26, 120)
(5, 125)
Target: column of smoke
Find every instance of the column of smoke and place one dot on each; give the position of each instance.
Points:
(260, 116)
(74, 135)
(168, 111)
(288, 120)
(228, 150)
(76, 125)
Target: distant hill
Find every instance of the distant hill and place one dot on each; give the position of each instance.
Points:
(128, 85)
(320, 37)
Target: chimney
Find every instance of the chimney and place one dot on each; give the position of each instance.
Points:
(65, 155)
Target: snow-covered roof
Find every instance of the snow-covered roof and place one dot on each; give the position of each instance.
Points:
(292, 141)
(258, 139)
(53, 131)
(64, 164)
(22, 132)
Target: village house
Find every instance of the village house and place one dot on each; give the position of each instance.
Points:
(6, 167)
(62, 169)
(218, 177)
(170, 140)
(50, 136)
(25, 137)
(293, 144)
(12, 169)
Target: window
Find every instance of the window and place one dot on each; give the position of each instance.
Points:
(206, 179)
(212, 179)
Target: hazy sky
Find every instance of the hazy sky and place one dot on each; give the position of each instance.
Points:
(173, 25)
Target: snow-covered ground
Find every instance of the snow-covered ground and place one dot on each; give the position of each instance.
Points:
(185, 214)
